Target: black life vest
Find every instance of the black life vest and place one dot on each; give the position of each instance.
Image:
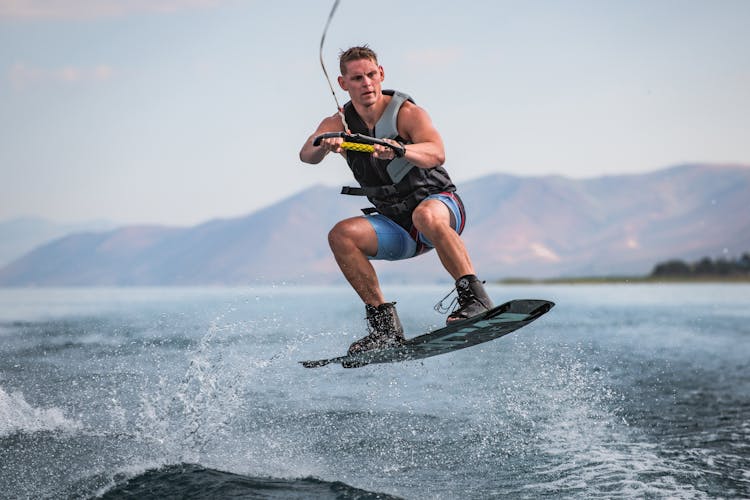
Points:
(395, 187)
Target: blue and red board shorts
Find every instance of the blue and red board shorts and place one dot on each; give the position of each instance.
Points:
(396, 243)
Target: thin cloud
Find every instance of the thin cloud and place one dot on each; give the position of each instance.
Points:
(94, 9)
(23, 76)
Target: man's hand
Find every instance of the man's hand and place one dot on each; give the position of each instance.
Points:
(384, 152)
(332, 144)
(315, 154)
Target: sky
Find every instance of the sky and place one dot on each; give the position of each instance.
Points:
(176, 112)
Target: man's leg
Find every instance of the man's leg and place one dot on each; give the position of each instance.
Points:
(433, 219)
(352, 242)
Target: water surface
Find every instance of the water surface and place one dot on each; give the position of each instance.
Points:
(621, 391)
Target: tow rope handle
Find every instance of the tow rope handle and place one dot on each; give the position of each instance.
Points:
(361, 143)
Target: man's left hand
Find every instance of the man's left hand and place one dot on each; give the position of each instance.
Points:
(384, 152)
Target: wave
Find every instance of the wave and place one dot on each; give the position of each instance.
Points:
(194, 481)
(18, 416)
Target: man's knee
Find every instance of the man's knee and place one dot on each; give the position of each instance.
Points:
(339, 235)
(430, 214)
(347, 234)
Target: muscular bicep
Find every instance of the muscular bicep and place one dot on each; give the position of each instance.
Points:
(415, 125)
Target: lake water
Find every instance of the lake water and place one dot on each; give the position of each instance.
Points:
(621, 391)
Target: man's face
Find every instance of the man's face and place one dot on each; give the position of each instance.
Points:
(363, 81)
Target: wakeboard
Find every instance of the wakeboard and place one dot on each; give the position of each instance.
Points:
(490, 325)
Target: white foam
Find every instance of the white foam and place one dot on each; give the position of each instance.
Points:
(595, 449)
(16, 415)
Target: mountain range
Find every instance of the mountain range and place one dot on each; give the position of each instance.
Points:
(20, 235)
(533, 227)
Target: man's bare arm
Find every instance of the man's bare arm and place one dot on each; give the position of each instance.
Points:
(415, 125)
(315, 154)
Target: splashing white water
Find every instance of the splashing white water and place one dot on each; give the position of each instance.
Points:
(190, 416)
(17, 415)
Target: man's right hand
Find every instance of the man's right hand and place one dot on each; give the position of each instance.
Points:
(332, 144)
(315, 154)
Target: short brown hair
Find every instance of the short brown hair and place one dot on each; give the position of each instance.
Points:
(355, 54)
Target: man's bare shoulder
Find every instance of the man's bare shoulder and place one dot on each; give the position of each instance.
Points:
(411, 112)
(410, 107)
(331, 123)
(413, 121)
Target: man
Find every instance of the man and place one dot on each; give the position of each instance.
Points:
(415, 200)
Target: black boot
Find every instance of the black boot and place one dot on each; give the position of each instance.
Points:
(472, 298)
(385, 329)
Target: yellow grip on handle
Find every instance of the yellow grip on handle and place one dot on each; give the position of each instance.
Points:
(355, 146)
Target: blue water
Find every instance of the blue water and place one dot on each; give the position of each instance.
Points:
(621, 391)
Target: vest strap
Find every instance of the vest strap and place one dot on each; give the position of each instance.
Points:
(372, 191)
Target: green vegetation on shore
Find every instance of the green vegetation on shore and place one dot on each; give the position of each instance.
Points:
(705, 270)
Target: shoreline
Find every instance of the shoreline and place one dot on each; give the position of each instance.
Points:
(608, 280)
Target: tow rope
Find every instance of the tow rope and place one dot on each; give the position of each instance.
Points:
(322, 65)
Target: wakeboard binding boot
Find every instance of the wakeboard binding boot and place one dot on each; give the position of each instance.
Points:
(472, 299)
(385, 329)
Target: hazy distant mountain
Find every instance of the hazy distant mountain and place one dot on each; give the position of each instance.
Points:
(609, 225)
(518, 226)
(20, 235)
